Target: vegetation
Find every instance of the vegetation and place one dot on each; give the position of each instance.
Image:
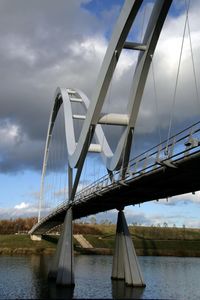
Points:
(147, 240)
(22, 244)
(106, 231)
(18, 225)
(166, 241)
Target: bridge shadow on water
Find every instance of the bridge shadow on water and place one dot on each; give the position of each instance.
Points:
(48, 289)
(59, 292)
(121, 291)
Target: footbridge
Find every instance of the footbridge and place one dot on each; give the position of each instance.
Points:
(164, 171)
(167, 169)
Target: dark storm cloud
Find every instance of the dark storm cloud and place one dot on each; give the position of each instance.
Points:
(35, 58)
(45, 44)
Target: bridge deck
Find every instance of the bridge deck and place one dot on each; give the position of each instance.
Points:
(156, 184)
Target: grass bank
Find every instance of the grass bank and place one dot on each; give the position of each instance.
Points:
(158, 241)
(11, 244)
(152, 247)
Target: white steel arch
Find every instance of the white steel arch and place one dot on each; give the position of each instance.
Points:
(77, 151)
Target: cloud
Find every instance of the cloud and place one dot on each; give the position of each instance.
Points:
(182, 199)
(62, 44)
(131, 217)
(45, 48)
(22, 210)
(22, 205)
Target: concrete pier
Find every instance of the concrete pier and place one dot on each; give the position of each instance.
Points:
(62, 267)
(125, 263)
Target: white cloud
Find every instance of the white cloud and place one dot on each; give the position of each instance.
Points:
(22, 205)
(9, 134)
(90, 48)
(184, 198)
(47, 47)
(74, 60)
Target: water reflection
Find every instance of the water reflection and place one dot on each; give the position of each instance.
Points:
(40, 266)
(59, 292)
(25, 277)
(121, 291)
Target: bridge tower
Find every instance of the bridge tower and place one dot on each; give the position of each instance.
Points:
(125, 263)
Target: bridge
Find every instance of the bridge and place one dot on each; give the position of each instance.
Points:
(167, 169)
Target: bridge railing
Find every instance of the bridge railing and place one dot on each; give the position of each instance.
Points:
(165, 154)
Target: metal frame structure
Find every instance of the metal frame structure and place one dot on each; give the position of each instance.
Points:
(182, 147)
(77, 150)
(125, 263)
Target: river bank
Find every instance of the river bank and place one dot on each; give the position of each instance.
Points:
(148, 241)
(12, 244)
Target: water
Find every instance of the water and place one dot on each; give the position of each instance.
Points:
(24, 277)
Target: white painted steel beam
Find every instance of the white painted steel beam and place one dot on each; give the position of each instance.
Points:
(109, 119)
(95, 148)
(124, 23)
(71, 91)
(79, 117)
(77, 152)
(134, 46)
(114, 119)
(76, 100)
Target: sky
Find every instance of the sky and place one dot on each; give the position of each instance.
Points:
(46, 44)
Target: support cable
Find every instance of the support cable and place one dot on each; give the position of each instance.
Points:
(156, 101)
(176, 84)
(85, 172)
(143, 19)
(192, 54)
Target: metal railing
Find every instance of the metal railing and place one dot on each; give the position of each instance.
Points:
(165, 154)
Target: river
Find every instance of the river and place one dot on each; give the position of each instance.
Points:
(24, 277)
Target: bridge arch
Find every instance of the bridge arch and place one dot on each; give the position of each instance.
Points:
(119, 159)
(77, 151)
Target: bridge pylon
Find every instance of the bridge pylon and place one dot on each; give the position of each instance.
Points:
(62, 268)
(125, 263)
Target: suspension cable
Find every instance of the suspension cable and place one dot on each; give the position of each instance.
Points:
(156, 101)
(192, 54)
(108, 97)
(176, 82)
(143, 19)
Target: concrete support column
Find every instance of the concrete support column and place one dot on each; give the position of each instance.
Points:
(125, 262)
(53, 269)
(65, 274)
(62, 267)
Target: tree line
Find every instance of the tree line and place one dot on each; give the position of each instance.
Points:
(18, 225)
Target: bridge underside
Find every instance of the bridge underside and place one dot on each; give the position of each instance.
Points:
(161, 183)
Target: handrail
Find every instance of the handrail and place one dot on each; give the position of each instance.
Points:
(101, 185)
(96, 182)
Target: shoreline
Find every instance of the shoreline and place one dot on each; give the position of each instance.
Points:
(148, 241)
(96, 251)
